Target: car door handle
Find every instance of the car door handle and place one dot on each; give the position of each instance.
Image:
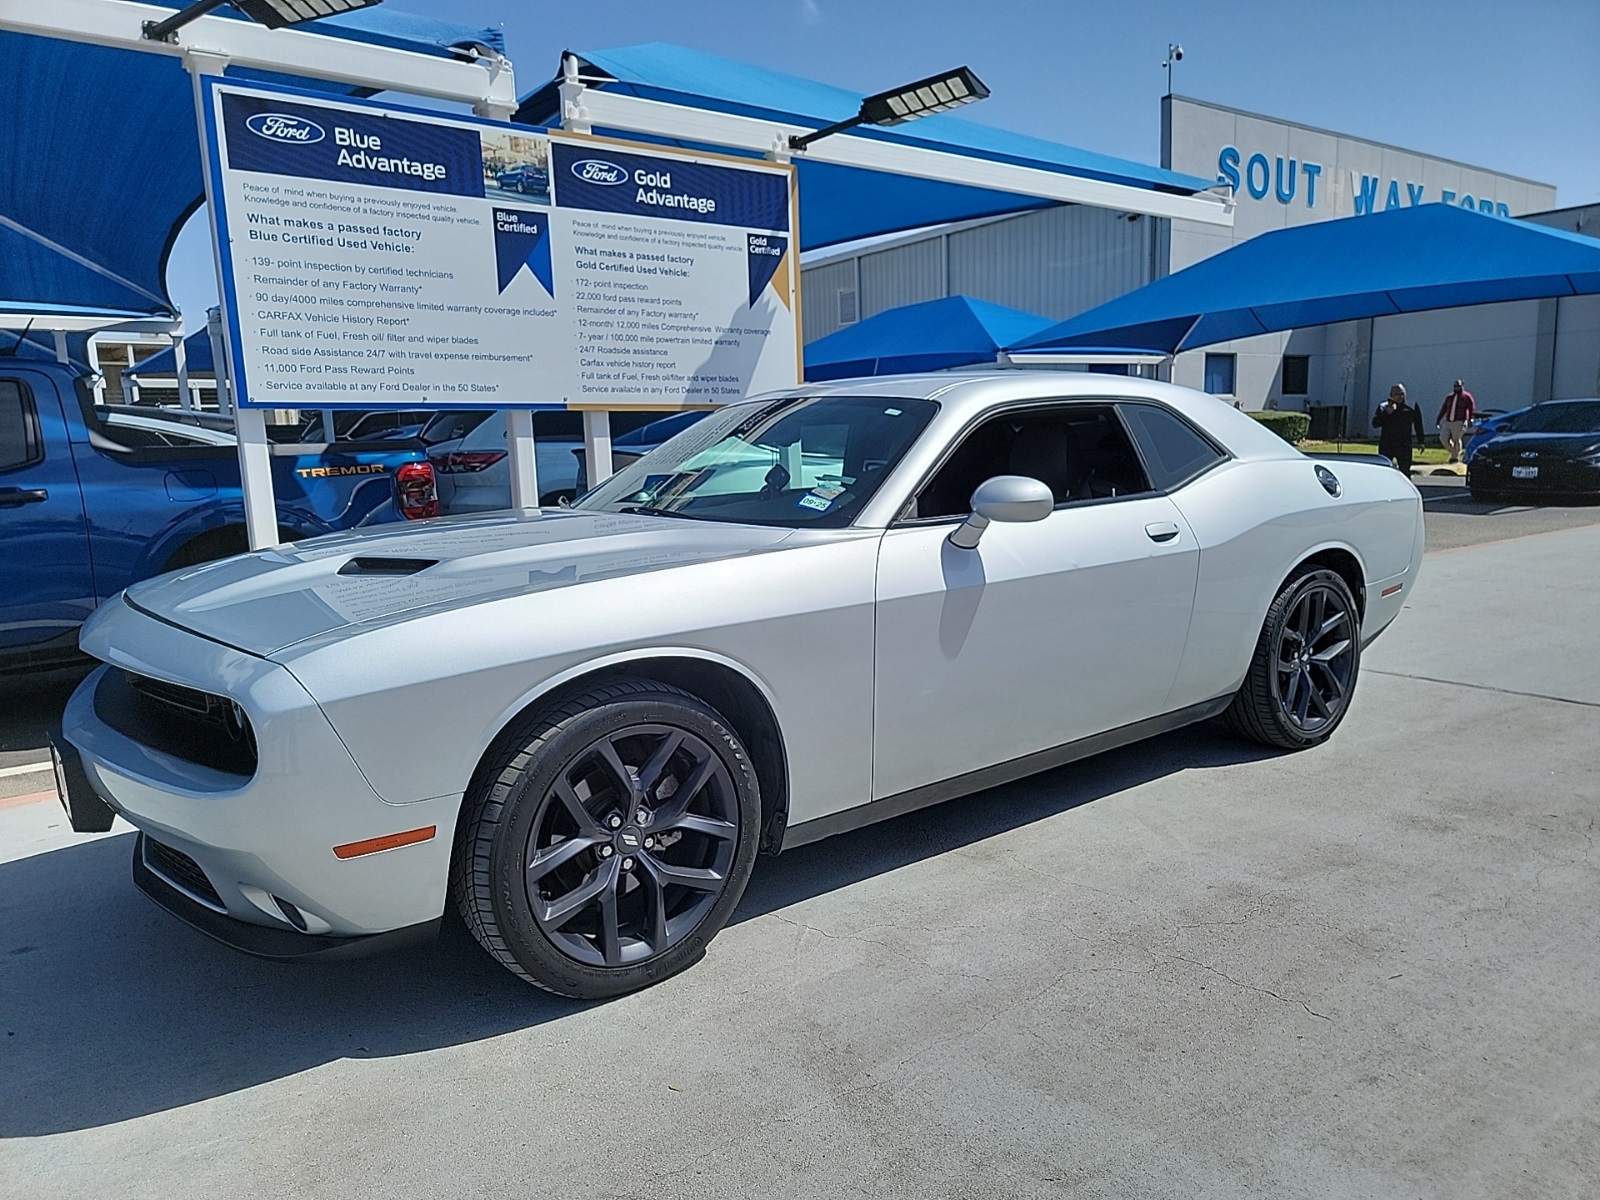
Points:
(17, 497)
(1161, 531)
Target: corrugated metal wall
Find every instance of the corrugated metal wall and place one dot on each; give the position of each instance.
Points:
(823, 291)
(901, 275)
(1056, 262)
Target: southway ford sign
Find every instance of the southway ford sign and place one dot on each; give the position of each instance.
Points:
(1287, 181)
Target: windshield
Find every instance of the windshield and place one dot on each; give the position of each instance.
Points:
(795, 461)
(1561, 418)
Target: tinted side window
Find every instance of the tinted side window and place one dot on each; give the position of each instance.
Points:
(1080, 451)
(1174, 452)
(19, 428)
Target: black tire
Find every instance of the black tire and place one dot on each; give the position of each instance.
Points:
(627, 907)
(1482, 493)
(1303, 672)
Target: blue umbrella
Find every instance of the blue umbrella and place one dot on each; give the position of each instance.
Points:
(956, 331)
(197, 357)
(1406, 260)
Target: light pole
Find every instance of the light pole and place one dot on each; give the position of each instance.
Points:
(937, 93)
(274, 14)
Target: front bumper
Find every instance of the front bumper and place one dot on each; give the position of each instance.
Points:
(1557, 477)
(261, 845)
(264, 941)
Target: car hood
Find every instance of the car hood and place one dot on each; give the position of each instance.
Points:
(268, 600)
(1559, 444)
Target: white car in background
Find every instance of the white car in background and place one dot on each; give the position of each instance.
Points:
(474, 470)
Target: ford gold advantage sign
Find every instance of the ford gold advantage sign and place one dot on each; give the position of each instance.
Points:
(380, 257)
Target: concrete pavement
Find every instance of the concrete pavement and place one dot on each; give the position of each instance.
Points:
(1188, 968)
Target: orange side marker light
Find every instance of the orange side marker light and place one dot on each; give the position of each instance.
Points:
(388, 841)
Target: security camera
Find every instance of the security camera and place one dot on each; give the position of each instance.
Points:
(1177, 53)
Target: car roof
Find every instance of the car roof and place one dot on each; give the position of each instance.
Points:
(968, 394)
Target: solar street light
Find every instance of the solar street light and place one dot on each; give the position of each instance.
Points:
(937, 93)
(274, 14)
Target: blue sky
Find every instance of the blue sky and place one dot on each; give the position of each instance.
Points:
(1513, 86)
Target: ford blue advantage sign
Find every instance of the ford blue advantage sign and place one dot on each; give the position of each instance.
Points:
(277, 137)
(601, 179)
(376, 257)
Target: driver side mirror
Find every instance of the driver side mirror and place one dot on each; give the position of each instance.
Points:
(1014, 498)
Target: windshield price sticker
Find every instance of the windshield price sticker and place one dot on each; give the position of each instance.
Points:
(379, 257)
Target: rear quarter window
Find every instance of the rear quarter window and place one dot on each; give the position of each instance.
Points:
(1174, 450)
(19, 427)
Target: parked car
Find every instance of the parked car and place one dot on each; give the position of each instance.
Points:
(524, 177)
(1550, 449)
(93, 498)
(379, 425)
(802, 614)
(474, 471)
(475, 476)
(1489, 423)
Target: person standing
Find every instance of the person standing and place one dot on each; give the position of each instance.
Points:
(1455, 414)
(1399, 428)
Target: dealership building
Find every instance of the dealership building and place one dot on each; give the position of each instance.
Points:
(1061, 261)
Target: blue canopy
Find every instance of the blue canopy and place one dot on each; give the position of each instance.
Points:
(956, 331)
(103, 163)
(837, 203)
(1404, 260)
(197, 359)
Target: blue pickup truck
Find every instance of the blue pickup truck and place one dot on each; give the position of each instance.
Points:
(94, 498)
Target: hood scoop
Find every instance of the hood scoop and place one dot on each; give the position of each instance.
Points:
(369, 566)
(268, 600)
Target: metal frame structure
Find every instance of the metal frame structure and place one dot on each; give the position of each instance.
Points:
(210, 44)
(588, 106)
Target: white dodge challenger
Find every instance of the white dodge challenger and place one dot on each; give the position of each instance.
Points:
(577, 728)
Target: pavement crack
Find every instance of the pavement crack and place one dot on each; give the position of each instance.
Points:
(1484, 687)
(1250, 987)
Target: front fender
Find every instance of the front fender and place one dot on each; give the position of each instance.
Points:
(610, 662)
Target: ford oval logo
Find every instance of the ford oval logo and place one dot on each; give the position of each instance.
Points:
(597, 170)
(280, 127)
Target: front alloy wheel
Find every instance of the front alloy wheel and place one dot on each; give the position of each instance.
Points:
(633, 844)
(609, 841)
(1303, 673)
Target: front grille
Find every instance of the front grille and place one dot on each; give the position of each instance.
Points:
(200, 704)
(181, 871)
(1555, 474)
(198, 727)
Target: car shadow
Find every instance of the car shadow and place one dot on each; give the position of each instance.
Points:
(1461, 502)
(31, 702)
(111, 1010)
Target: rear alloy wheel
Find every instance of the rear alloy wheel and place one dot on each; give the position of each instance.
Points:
(1303, 673)
(610, 841)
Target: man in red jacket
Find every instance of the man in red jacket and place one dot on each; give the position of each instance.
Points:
(1455, 414)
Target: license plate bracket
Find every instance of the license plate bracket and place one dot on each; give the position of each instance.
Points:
(86, 812)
